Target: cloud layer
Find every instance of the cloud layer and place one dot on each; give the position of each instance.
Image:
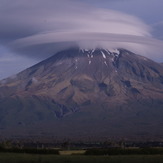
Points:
(40, 28)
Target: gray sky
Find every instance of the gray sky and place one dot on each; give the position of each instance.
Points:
(33, 30)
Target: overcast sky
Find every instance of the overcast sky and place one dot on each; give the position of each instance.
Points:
(34, 30)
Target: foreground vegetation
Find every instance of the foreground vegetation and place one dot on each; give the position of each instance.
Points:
(29, 158)
(125, 151)
(89, 151)
(15, 153)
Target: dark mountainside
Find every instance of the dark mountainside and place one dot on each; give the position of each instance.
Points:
(80, 94)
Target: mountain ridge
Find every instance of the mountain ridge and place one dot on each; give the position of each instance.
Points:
(85, 89)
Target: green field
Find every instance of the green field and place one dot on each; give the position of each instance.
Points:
(28, 158)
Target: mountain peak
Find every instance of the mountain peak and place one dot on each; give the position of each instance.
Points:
(83, 87)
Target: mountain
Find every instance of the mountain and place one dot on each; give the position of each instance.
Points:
(85, 93)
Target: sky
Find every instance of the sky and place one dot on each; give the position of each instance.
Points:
(32, 30)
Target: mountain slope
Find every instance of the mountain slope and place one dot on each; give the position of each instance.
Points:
(82, 93)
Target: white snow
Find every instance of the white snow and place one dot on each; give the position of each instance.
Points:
(82, 50)
(89, 51)
(93, 51)
(111, 51)
(104, 56)
(89, 62)
(115, 51)
(107, 51)
(105, 63)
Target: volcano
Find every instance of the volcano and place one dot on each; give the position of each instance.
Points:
(85, 93)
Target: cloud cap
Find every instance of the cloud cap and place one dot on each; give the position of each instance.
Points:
(42, 27)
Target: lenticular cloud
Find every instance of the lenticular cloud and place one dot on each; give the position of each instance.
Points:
(43, 27)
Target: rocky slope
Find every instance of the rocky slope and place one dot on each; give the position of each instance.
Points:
(85, 93)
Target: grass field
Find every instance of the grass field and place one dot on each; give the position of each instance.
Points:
(72, 152)
(28, 158)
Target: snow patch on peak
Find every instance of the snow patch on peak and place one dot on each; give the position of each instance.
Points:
(104, 52)
(116, 51)
(105, 63)
(113, 51)
(104, 56)
(93, 51)
(90, 51)
(81, 50)
(107, 51)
